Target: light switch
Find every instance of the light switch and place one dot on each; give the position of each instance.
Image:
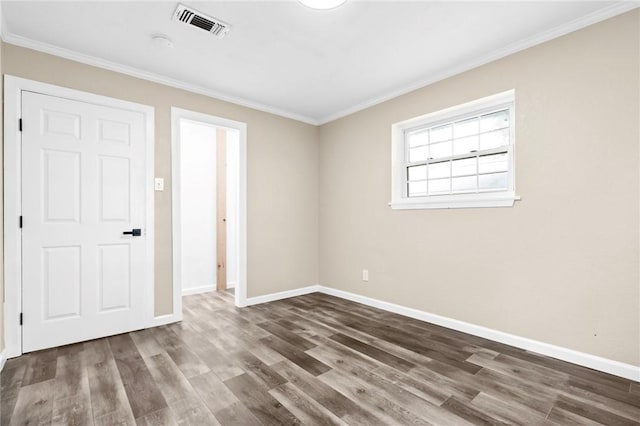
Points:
(159, 186)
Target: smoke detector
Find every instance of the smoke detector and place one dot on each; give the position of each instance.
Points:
(196, 19)
(162, 41)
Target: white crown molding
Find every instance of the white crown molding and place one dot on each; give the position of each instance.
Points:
(17, 40)
(590, 19)
(607, 12)
(569, 27)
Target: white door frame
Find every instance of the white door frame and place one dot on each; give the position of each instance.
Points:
(176, 115)
(13, 88)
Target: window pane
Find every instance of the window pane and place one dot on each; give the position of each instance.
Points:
(418, 154)
(465, 145)
(494, 139)
(465, 166)
(441, 133)
(418, 138)
(439, 170)
(417, 188)
(466, 155)
(440, 150)
(465, 128)
(496, 120)
(417, 173)
(493, 181)
(493, 163)
(464, 184)
(439, 186)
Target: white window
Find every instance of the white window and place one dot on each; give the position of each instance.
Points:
(458, 157)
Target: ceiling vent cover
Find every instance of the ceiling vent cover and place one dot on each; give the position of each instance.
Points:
(193, 18)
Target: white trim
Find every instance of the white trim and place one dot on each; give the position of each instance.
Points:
(451, 113)
(281, 295)
(198, 290)
(616, 368)
(231, 284)
(3, 359)
(12, 202)
(149, 76)
(13, 87)
(150, 207)
(176, 115)
(492, 201)
(615, 9)
(400, 160)
(164, 320)
(2, 24)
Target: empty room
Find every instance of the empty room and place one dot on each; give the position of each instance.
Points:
(320, 212)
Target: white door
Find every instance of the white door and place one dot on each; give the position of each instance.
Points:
(83, 186)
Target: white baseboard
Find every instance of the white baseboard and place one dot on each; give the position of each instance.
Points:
(3, 359)
(165, 319)
(281, 295)
(616, 368)
(198, 290)
(231, 284)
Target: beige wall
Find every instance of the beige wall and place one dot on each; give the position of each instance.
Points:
(561, 266)
(1, 211)
(282, 168)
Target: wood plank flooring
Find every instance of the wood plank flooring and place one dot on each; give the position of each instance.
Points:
(308, 360)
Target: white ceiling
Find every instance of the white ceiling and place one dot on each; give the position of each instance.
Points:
(285, 58)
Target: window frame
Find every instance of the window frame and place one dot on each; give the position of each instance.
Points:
(400, 161)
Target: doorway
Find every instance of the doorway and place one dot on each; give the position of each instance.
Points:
(208, 204)
(78, 219)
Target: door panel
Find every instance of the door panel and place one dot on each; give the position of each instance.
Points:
(61, 282)
(60, 123)
(83, 168)
(61, 186)
(114, 275)
(114, 132)
(114, 183)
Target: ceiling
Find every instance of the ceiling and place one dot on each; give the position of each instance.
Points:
(283, 57)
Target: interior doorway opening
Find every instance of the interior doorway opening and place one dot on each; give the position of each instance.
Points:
(209, 214)
(208, 199)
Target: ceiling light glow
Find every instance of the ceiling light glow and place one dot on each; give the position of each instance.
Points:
(322, 4)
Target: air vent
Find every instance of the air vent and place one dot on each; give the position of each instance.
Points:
(196, 19)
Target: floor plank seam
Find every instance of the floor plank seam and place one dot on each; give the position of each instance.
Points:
(312, 359)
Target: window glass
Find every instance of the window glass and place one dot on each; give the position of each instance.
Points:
(462, 153)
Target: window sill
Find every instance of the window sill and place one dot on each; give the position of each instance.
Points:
(454, 203)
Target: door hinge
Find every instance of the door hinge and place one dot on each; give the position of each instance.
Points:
(20, 318)
(20, 221)
(20, 124)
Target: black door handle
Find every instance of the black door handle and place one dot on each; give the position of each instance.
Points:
(136, 232)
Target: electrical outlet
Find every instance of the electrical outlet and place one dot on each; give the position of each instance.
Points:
(365, 275)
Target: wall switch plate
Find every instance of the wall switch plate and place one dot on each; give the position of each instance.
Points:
(159, 184)
(365, 275)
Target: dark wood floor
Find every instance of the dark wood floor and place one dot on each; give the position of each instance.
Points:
(309, 360)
